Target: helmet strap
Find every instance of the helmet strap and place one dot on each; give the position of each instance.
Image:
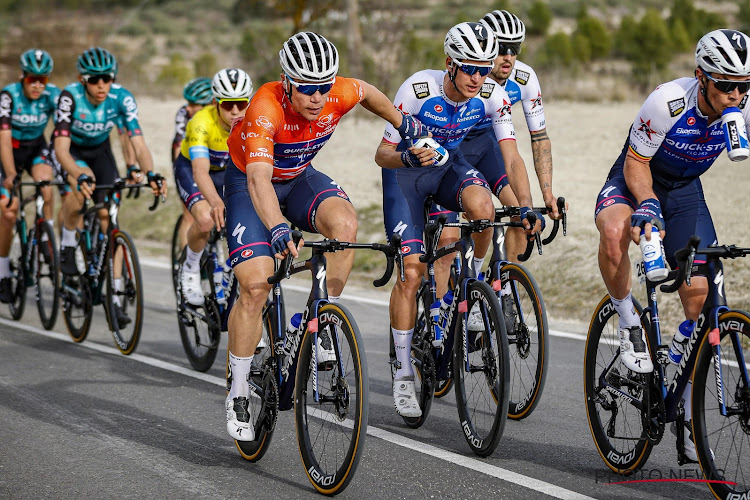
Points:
(452, 75)
(704, 91)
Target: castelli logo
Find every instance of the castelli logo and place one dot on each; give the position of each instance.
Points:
(478, 182)
(405, 249)
(438, 108)
(691, 121)
(246, 253)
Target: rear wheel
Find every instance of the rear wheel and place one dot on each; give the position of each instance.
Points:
(18, 277)
(77, 300)
(47, 275)
(331, 430)
(124, 294)
(722, 441)
(176, 253)
(200, 326)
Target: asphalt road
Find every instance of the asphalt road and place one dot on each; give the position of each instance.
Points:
(83, 421)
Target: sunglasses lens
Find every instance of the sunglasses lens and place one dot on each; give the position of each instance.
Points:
(509, 49)
(311, 89)
(229, 105)
(729, 86)
(470, 69)
(31, 79)
(94, 79)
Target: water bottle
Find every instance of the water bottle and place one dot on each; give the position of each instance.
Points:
(221, 298)
(653, 256)
(445, 304)
(291, 331)
(436, 321)
(226, 279)
(441, 155)
(735, 134)
(677, 348)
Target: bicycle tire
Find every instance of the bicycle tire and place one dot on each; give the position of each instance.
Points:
(528, 338)
(18, 275)
(263, 409)
(77, 300)
(176, 251)
(127, 335)
(331, 432)
(482, 391)
(602, 347)
(47, 268)
(200, 332)
(717, 436)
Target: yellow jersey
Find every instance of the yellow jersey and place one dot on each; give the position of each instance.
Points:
(206, 138)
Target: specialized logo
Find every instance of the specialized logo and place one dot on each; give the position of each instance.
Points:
(421, 90)
(486, 90)
(645, 127)
(522, 77)
(676, 106)
(238, 231)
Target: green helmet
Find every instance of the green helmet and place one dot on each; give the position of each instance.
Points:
(198, 90)
(96, 61)
(36, 62)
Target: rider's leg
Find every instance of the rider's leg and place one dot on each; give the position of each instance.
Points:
(44, 172)
(336, 219)
(197, 236)
(8, 215)
(477, 203)
(442, 266)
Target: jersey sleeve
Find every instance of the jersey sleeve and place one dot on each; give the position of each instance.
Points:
(253, 139)
(498, 107)
(531, 101)
(653, 121)
(129, 112)
(6, 110)
(66, 106)
(196, 137)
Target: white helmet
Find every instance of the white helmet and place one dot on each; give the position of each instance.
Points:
(309, 57)
(231, 83)
(470, 42)
(724, 51)
(506, 26)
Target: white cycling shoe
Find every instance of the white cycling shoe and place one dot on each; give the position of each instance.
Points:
(238, 419)
(325, 350)
(476, 321)
(633, 350)
(190, 284)
(405, 397)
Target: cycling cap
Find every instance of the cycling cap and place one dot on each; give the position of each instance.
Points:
(471, 42)
(232, 83)
(96, 61)
(198, 90)
(506, 26)
(36, 62)
(309, 57)
(724, 51)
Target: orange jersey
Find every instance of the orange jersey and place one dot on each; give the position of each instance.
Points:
(272, 132)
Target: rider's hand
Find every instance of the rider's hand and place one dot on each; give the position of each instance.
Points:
(281, 241)
(156, 181)
(218, 213)
(648, 214)
(418, 157)
(86, 185)
(8, 180)
(411, 128)
(550, 201)
(538, 225)
(134, 175)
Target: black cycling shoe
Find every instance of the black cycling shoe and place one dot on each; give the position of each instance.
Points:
(121, 317)
(68, 261)
(6, 290)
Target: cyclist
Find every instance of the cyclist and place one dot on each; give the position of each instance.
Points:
(86, 113)
(197, 93)
(199, 169)
(25, 109)
(287, 123)
(676, 137)
(449, 103)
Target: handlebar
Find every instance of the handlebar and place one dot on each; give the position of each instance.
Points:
(120, 185)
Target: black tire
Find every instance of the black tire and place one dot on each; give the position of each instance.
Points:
(19, 277)
(200, 326)
(722, 442)
(482, 390)
(130, 295)
(627, 449)
(331, 432)
(47, 268)
(263, 409)
(176, 253)
(528, 339)
(77, 301)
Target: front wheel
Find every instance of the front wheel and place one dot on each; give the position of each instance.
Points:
(18, 277)
(722, 441)
(47, 275)
(124, 292)
(176, 253)
(77, 299)
(331, 403)
(481, 370)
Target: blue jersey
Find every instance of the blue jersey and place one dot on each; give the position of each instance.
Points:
(26, 118)
(88, 125)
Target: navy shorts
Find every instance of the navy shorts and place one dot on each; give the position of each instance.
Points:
(483, 153)
(186, 186)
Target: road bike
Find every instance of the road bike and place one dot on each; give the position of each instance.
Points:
(478, 362)
(102, 256)
(34, 261)
(627, 411)
(330, 398)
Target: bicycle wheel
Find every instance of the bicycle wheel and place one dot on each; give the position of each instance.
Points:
(176, 253)
(528, 339)
(616, 423)
(264, 404)
(18, 278)
(124, 297)
(77, 300)
(47, 261)
(331, 431)
(200, 326)
(722, 442)
(482, 372)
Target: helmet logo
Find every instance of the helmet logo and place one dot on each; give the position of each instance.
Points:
(738, 39)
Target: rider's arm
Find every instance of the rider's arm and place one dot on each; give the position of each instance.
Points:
(202, 177)
(386, 155)
(515, 167)
(6, 157)
(541, 150)
(262, 193)
(128, 153)
(378, 103)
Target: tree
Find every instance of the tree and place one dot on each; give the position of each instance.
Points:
(540, 18)
(597, 35)
(680, 38)
(557, 50)
(744, 16)
(656, 45)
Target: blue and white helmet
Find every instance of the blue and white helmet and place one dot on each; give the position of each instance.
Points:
(724, 51)
(508, 28)
(471, 42)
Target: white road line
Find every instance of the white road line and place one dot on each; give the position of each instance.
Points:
(393, 438)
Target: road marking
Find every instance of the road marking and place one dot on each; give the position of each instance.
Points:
(393, 438)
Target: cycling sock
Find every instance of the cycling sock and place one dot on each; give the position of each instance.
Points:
(68, 238)
(239, 369)
(626, 310)
(117, 285)
(334, 298)
(687, 400)
(4, 267)
(478, 263)
(402, 342)
(192, 260)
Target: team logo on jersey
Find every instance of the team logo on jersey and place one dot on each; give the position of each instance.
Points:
(691, 121)
(342, 194)
(522, 77)
(246, 253)
(486, 90)
(405, 249)
(537, 101)
(438, 108)
(645, 127)
(676, 107)
(324, 121)
(421, 89)
(505, 109)
(263, 121)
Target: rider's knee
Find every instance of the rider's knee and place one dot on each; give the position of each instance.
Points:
(480, 207)
(203, 222)
(613, 237)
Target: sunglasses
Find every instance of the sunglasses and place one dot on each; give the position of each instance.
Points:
(94, 79)
(470, 69)
(229, 104)
(310, 89)
(38, 79)
(510, 49)
(728, 86)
